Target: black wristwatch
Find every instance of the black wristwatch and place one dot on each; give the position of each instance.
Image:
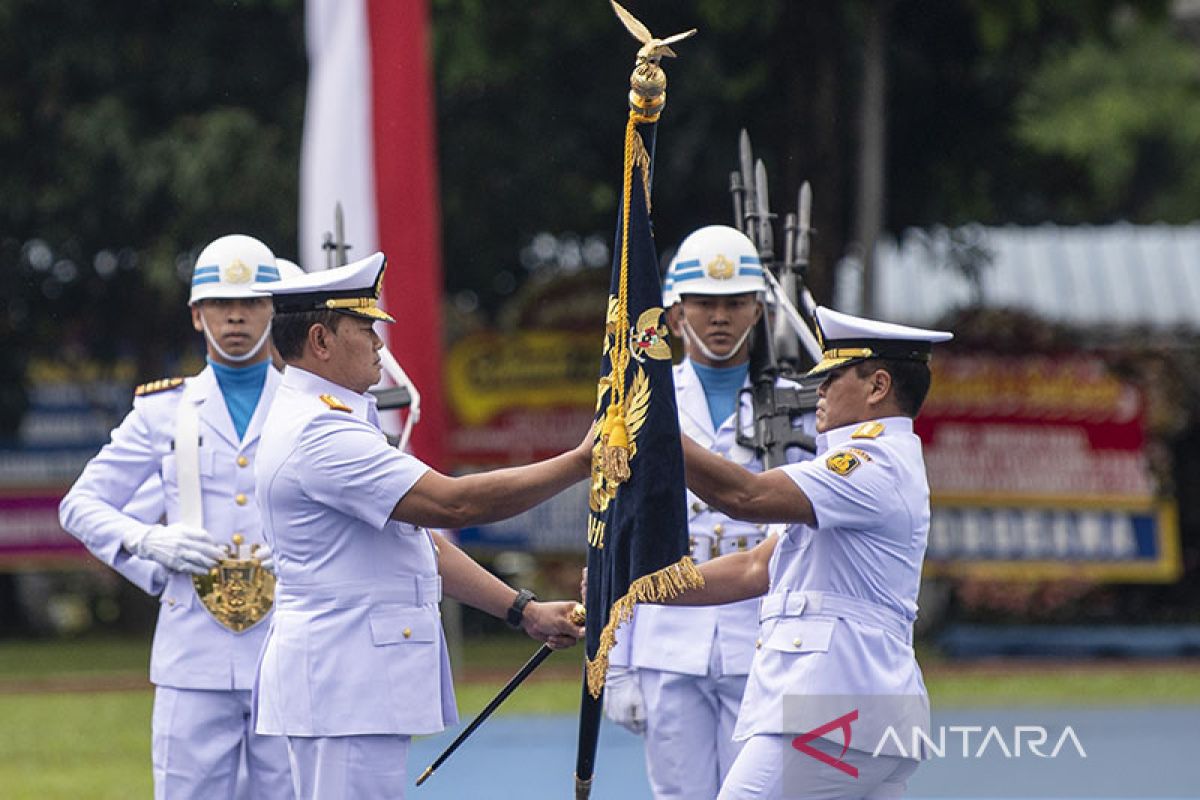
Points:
(516, 611)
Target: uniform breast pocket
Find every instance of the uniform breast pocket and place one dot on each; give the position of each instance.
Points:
(799, 635)
(170, 467)
(400, 625)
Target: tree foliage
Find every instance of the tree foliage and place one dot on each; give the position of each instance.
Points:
(134, 132)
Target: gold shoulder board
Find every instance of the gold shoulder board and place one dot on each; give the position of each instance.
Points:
(335, 404)
(868, 430)
(160, 385)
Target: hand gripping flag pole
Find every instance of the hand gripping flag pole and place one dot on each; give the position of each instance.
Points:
(637, 523)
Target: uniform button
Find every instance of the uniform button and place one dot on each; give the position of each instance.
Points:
(240, 499)
(243, 461)
(741, 543)
(697, 508)
(407, 633)
(796, 642)
(761, 527)
(170, 601)
(718, 529)
(758, 645)
(691, 543)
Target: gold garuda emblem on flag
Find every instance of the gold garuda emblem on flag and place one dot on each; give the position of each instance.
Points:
(238, 592)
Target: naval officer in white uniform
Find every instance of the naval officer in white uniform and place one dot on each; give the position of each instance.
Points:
(356, 662)
(199, 437)
(678, 674)
(841, 585)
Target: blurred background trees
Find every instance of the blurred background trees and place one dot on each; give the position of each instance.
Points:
(133, 133)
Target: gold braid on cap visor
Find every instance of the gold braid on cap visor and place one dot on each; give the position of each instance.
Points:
(363, 306)
(837, 356)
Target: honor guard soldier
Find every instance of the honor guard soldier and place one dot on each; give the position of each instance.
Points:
(356, 662)
(679, 673)
(199, 436)
(841, 584)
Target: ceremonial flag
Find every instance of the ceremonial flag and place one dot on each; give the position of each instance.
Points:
(637, 511)
(369, 144)
(637, 520)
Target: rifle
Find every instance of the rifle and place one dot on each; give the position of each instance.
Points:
(778, 411)
(404, 394)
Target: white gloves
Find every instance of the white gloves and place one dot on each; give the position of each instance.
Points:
(177, 547)
(265, 557)
(623, 702)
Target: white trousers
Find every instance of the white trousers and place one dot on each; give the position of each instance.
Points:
(198, 740)
(349, 767)
(689, 730)
(769, 768)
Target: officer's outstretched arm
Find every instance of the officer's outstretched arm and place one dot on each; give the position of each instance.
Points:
(442, 501)
(737, 576)
(769, 496)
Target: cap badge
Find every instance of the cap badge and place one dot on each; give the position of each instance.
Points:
(720, 268)
(237, 272)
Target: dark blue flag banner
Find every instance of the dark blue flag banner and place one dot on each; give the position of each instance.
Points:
(637, 522)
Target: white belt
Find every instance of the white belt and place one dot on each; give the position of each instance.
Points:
(406, 590)
(835, 606)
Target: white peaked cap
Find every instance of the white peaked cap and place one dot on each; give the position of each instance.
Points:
(352, 289)
(846, 339)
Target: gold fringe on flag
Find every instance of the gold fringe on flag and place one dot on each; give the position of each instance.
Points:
(664, 584)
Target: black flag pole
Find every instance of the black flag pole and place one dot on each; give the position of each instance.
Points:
(590, 711)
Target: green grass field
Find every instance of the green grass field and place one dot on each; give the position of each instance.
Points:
(68, 733)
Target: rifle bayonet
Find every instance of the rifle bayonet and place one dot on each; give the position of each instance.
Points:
(748, 223)
(766, 235)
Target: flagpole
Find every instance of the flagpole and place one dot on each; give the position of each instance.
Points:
(656, 577)
(590, 711)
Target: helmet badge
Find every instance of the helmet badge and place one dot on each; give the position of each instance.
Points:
(720, 268)
(237, 272)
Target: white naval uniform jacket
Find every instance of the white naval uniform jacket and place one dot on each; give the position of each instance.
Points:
(680, 639)
(356, 644)
(191, 649)
(837, 619)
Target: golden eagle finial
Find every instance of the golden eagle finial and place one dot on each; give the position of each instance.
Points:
(652, 49)
(648, 83)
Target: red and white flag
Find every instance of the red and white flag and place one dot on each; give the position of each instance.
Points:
(369, 144)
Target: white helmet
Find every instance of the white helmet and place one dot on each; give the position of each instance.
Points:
(288, 269)
(670, 296)
(229, 267)
(717, 260)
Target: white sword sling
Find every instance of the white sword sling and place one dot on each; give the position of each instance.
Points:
(238, 593)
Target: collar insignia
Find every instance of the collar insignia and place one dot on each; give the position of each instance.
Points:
(868, 430)
(335, 404)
